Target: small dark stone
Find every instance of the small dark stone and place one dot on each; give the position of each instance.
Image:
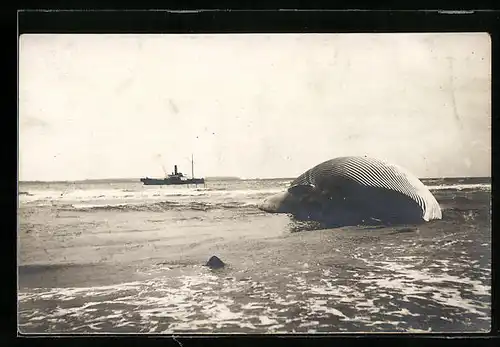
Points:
(215, 263)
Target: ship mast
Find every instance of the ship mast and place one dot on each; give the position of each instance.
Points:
(192, 166)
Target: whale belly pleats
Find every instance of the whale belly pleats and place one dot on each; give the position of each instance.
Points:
(378, 186)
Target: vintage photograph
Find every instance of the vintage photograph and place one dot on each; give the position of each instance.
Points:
(254, 183)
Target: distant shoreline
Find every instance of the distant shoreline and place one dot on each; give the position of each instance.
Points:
(128, 180)
(230, 178)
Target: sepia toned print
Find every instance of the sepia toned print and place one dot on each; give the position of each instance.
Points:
(244, 183)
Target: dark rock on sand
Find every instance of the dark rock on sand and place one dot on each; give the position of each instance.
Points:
(215, 263)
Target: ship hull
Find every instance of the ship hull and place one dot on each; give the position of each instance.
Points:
(167, 182)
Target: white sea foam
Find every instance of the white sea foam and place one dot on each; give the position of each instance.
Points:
(206, 301)
(479, 186)
(85, 198)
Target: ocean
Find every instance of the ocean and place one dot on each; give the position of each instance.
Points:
(120, 257)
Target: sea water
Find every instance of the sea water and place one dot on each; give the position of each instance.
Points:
(119, 257)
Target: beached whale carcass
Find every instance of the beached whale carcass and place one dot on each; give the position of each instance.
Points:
(356, 190)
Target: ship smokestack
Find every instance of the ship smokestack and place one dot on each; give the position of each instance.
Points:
(175, 169)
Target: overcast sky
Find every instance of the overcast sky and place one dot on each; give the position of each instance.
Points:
(111, 106)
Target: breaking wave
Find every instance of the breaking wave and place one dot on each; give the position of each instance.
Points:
(479, 186)
(163, 206)
(86, 195)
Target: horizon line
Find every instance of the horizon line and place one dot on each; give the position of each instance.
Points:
(207, 178)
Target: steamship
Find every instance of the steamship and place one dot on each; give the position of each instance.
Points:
(174, 178)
